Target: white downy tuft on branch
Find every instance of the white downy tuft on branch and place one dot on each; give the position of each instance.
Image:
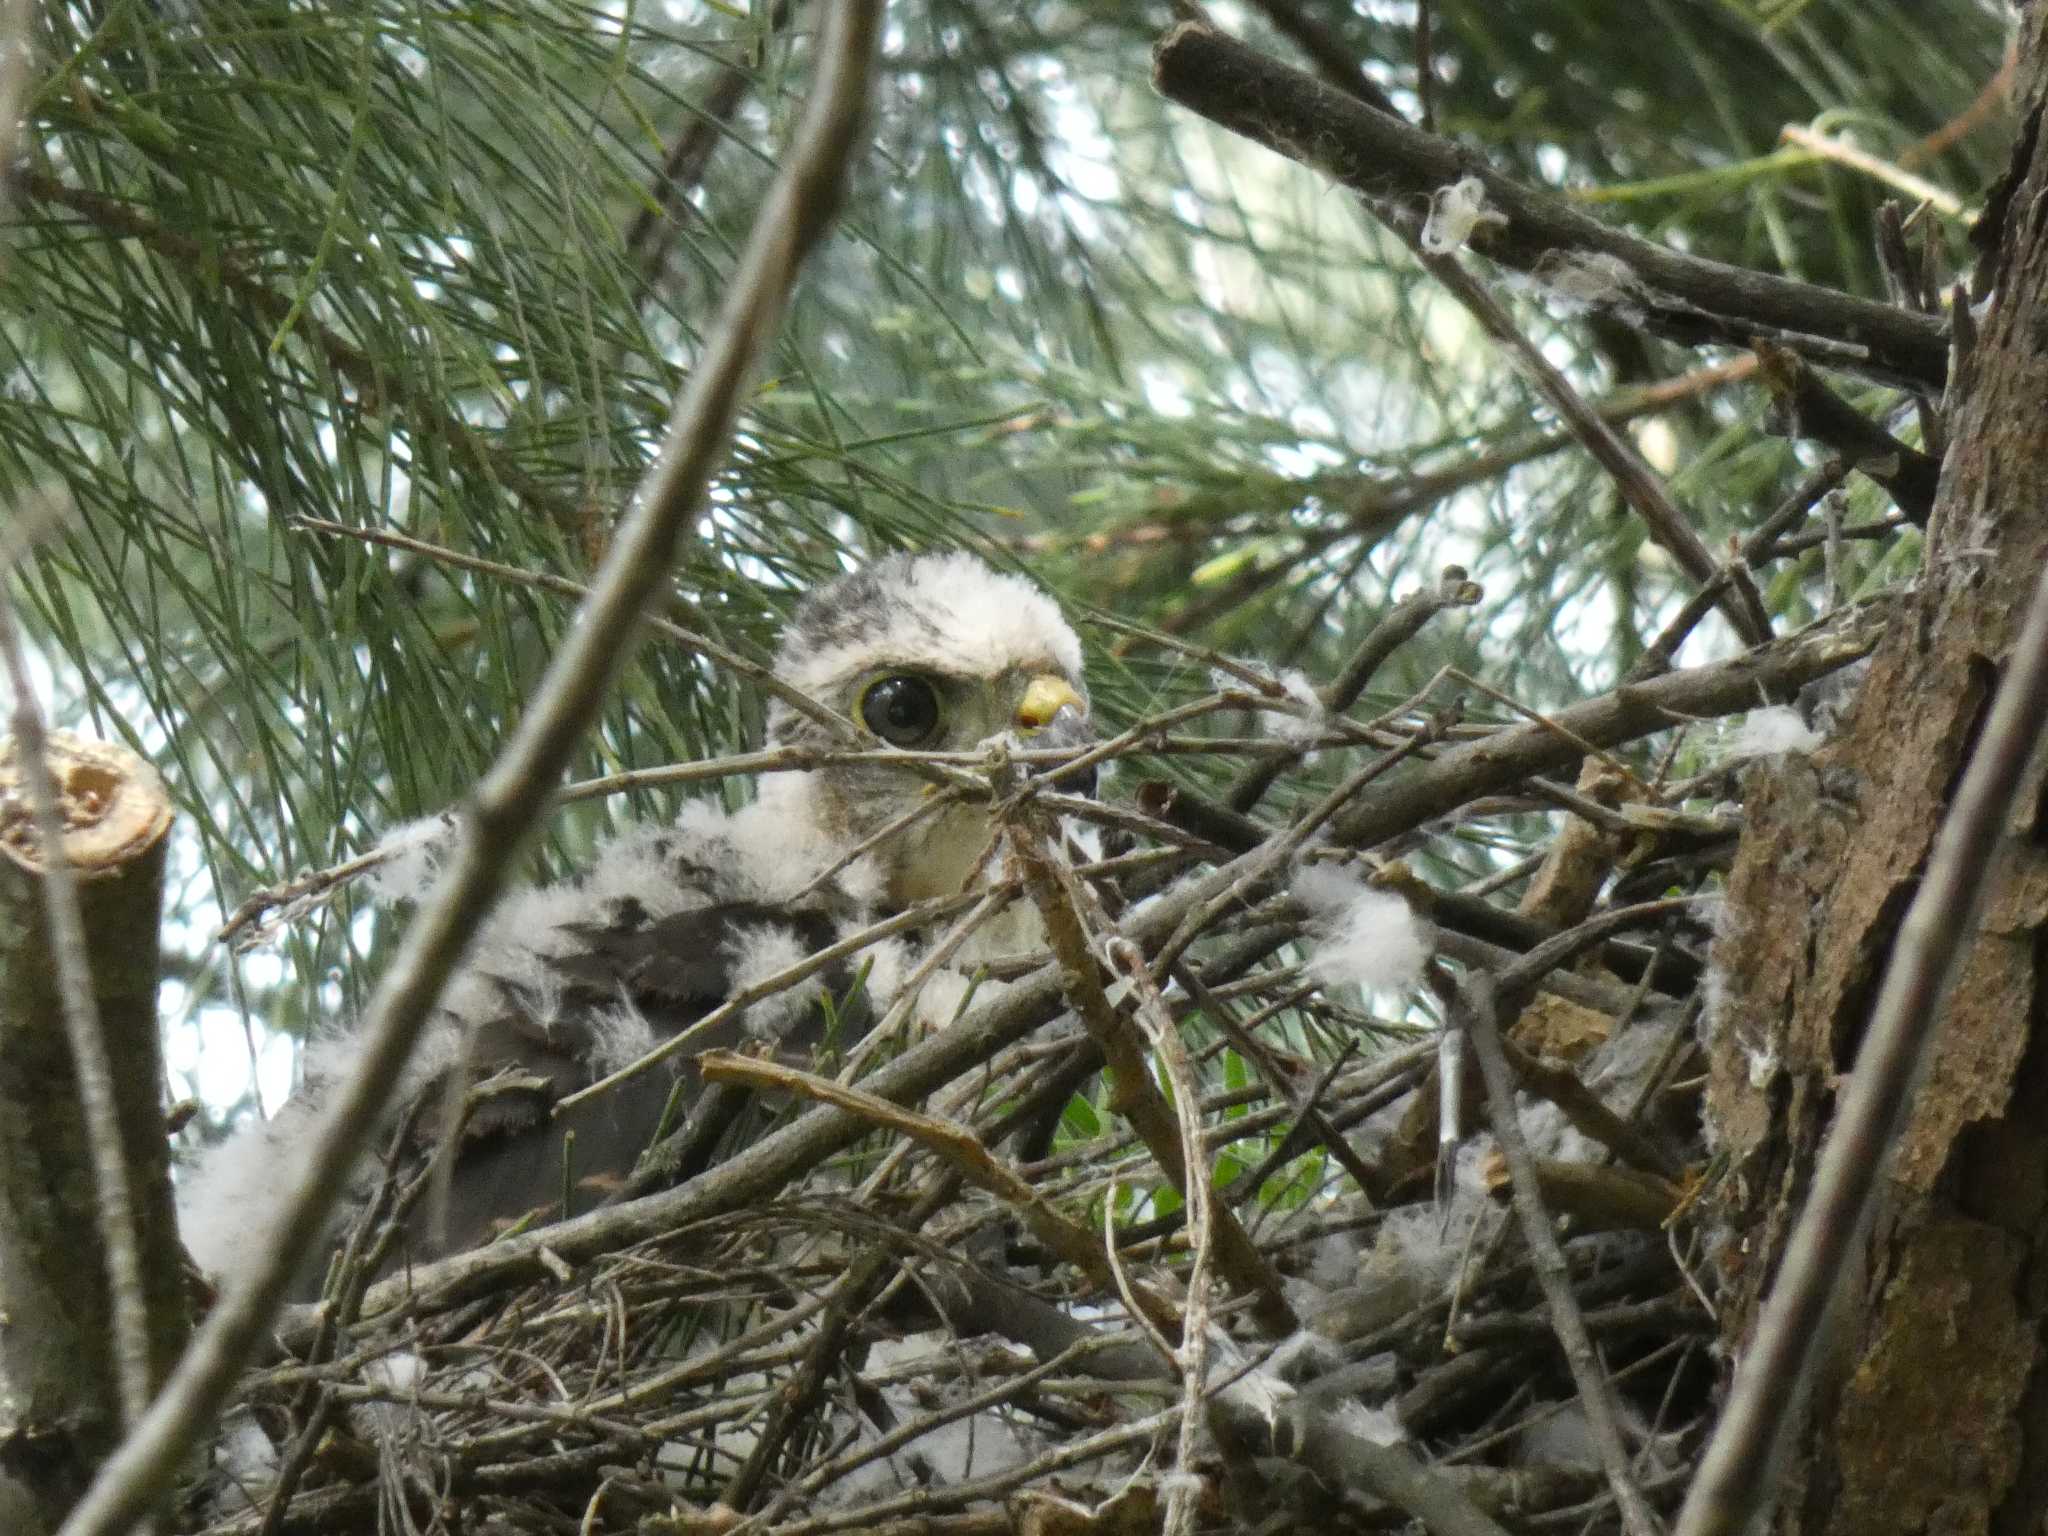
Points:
(1297, 726)
(1772, 732)
(1296, 729)
(1454, 212)
(1367, 937)
(412, 851)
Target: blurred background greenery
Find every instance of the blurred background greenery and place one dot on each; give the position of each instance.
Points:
(439, 269)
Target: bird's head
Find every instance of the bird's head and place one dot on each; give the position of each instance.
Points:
(926, 653)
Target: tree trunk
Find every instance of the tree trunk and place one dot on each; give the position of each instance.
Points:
(1931, 1410)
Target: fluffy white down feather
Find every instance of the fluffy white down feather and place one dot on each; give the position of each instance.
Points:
(765, 852)
(756, 954)
(1771, 732)
(1366, 937)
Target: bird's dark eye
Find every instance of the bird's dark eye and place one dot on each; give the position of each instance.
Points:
(902, 709)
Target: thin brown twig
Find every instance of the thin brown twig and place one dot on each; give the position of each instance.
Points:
(1475, 1003)
(1638, 484)
(955, 1145)
(1134, 1095)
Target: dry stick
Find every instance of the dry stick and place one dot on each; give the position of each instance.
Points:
(652, 233)
(1806, 407)
(314, 1409)
(950, 769)
(1368, 508)
(1755, 549)
(1738, 1471)
(1376, 507)
(513, 795)
(1268, 1066)
(1305, 1429)
(1800, 543)
(1640, 486)
(1506, 757)
(1201, 1207)
(819, 1477)
(1477, 1001)
(850, 1295)
(1400, 624)
(955, 1145)
(114, 1200)
(1686, 298)
(920, 1505)
(1134, 1096)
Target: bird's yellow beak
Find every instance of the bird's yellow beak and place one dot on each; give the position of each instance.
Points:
(1044, 697)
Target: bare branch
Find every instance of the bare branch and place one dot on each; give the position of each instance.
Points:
(1397, 167)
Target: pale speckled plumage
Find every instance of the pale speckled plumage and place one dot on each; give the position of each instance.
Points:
(950, 613)
(947, 614)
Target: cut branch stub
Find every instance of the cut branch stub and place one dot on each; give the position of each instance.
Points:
(58, 1413)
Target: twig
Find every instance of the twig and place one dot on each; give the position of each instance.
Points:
(652, 234)
(1263, 1061)
(1508, 756)
(1204, 1216)
(916, 916)
(1940, 199)
(1737, 1474)
(1135, 1097)
(1425, 69)
(1639, 485)
(1810, 409)
(795, 216)
(959, 1148)
(1758, 547)
(1476, 1002)
(1400, 624)
(950, 767)
(1371, 509)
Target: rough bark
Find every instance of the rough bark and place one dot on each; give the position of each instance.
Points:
(59, 1401)
(1932, 1411)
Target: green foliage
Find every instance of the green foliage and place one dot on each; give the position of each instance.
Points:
(416, 268)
